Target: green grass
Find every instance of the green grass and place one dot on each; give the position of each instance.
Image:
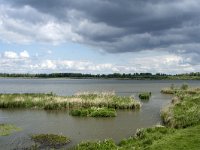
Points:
(143, 139)
(145, 95)
(50, 140)
(184, 139)
(94, 112)
(6, 129)
(155, 138)
(183, 111)
(81, 100)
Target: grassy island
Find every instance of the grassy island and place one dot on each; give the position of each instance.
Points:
(80, 100)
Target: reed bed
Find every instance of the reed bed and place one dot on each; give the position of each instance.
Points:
(80, 100)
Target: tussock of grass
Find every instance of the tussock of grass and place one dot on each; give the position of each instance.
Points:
(145, 95)
(81, 100)
(94, 112)
(6, 129)
(50, 140)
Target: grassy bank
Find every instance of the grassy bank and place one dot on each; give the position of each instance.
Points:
(80, 100)
(155, 138)
(143, 139)
(94, 112)
(184, 109)
(6, 129)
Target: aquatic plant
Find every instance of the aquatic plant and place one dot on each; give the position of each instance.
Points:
(6, 129)
(50, 140)
(145, 95)
(94, 112)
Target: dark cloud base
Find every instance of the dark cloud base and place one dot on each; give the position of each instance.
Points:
(118, 26)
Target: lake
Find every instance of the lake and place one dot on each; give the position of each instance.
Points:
(80, 129)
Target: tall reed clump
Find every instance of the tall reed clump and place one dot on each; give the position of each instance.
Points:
(183, 111)
(81, 100)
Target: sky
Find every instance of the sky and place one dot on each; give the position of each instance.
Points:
(99, 36)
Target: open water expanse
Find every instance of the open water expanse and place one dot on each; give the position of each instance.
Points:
(80, 129)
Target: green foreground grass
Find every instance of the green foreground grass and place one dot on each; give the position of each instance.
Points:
(6, 129)
(81, 100)
(155, 138)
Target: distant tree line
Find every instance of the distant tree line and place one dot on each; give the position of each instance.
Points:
(136, 76)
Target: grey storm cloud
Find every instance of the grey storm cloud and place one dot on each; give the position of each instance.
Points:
(119, 26)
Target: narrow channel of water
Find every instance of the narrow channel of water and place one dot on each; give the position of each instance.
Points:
(80, 129)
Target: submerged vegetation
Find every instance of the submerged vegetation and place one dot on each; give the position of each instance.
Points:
(145, 95)
(6, 129)
(50, 140)
(80, 100)
(94, 112)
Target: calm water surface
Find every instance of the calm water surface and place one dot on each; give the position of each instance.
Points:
(79, 129)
